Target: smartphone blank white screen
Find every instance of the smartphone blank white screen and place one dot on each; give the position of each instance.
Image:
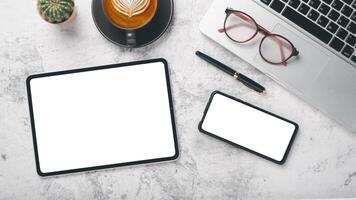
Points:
(248, 127)
(102, 117)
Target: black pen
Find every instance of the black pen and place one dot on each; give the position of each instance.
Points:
(244, 79)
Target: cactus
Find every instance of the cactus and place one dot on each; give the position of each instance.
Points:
(56, 11)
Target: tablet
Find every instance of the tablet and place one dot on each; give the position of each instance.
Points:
(101, 117)
(248, 127)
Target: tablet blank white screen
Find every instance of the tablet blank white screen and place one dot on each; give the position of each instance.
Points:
(102, 117)
(248, 127)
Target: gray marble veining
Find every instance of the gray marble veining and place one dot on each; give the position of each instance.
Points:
(321, 164)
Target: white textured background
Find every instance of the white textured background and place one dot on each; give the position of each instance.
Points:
(322, 161)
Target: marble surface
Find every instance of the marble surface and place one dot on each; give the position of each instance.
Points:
(321, 164)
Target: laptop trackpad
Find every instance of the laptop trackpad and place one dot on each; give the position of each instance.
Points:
(300, 71)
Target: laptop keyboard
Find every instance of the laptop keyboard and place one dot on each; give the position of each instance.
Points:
(333, 22)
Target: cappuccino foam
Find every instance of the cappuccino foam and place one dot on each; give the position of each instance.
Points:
(131, 7)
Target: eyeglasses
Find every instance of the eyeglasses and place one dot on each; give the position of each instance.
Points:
(241, 28)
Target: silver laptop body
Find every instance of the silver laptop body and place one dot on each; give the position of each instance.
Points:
(321, 75)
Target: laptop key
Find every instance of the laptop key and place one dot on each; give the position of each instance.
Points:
(294, 3)
(304, 9)
(277, 5)
(346, 10)
(343, 21)
(328, 1)
(354, 4)
(267, 2)
(332, 27)
(351, 27)
(323, 21)
(313, 15)
(341, 33)
(353, 58)
(307, 25)
(347, 1)
(353, 16)
(333, 15)
(314, 3)
(351, 40)
(336, 44)
(337, 4)
(324, 9)
(347, 51)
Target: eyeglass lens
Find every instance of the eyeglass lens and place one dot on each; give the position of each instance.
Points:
(275, 49)
(240, 27)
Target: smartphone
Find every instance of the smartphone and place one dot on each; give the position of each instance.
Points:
(248, 127)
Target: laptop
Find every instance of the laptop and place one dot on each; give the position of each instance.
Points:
(323, 31)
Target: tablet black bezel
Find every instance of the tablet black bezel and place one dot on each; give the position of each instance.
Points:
(280, 162)
(28, 86)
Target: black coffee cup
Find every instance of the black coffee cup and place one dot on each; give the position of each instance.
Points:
(129, 15)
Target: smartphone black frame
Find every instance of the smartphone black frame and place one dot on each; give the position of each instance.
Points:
(280, 162)
(128, 64)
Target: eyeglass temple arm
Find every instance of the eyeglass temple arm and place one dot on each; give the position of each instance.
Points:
(221, 30)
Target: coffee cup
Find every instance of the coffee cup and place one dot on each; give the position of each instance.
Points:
(129, 15)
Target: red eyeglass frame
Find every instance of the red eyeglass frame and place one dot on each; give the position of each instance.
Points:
(265, 32)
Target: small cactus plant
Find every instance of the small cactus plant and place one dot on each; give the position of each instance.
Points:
(56, 11)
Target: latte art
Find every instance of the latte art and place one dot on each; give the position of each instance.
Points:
(131, 7)
(130, 14)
